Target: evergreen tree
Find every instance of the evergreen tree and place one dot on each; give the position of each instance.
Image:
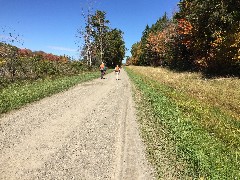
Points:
(144, 59)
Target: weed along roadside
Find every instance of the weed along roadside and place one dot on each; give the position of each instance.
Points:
(192, 138)
(17, 95)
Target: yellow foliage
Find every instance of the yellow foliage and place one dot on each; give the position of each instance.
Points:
(2, 62)
(218, 39)
(236, 44)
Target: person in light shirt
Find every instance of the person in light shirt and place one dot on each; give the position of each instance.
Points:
(117, 71)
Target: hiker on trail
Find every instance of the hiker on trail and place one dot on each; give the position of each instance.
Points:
(117, 71)
(102, 69)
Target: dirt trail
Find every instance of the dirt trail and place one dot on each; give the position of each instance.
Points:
(87, 132)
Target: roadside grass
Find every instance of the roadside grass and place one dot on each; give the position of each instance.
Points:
(190, 126)
(223, 93)
(16, 95)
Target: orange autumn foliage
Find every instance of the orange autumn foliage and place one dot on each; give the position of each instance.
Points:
(159, 41)
(184, 30)
(184, 27)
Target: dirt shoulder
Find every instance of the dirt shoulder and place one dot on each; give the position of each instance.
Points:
(87, 132)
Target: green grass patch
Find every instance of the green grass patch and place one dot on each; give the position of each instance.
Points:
(178, 127)
(16, 95)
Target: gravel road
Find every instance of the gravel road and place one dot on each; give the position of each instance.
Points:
(87, 132)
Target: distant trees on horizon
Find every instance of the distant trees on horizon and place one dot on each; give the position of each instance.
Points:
(101, 42)
(23, 64)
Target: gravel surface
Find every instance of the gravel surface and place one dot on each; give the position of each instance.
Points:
(87, 132)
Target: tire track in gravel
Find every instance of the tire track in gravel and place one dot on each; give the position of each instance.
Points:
(87, 132)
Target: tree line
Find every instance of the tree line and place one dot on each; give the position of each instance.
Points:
(101, 42)
(202, 36)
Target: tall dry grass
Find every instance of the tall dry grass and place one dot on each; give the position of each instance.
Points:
(223, 93)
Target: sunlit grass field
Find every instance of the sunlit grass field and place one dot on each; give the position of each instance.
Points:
(190, 124)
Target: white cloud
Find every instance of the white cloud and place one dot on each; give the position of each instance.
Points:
(62, 48)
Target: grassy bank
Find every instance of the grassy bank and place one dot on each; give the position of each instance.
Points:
(191, 125)
(16, 95)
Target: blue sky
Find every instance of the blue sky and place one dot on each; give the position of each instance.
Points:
(51, 26)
